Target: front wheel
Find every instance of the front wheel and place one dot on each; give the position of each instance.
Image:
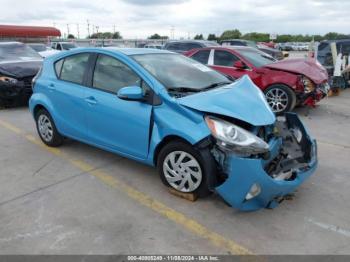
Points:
(280, 98)
(182, 167)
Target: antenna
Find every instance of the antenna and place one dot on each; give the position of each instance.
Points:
(78, 31)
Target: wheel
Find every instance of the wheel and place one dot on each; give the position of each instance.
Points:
(185, 169)
(280, 98)
(47, 129)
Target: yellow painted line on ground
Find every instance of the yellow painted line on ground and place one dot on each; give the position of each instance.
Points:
(141, 198)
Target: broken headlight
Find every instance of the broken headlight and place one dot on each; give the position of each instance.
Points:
(235, 138)
(7, 79)
(309, 86)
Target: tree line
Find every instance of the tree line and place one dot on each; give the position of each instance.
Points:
(236, 34)
(265, 37)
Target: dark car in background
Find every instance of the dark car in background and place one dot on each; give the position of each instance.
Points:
(183, 46)
(18, 65)
(285, 83)
(275, 53)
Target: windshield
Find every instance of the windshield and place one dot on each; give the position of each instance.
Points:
(177, 72)
(17, 51)
(257, 58)
(37, 47)
(67, 46)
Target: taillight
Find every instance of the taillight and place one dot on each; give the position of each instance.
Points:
(36, 77)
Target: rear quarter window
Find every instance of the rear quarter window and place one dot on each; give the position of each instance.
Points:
(58, 67)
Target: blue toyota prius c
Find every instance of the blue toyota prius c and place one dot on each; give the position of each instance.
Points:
(203, 132)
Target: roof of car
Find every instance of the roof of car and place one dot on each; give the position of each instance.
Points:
(233, 47)
(336, 41)
(138, 51)
(10, 42)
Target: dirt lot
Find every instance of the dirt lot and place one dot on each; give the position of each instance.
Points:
(81, 200)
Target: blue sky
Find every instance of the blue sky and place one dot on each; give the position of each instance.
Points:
(141, 18)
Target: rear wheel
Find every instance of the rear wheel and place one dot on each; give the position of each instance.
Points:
(182, 167)
(47, 129)
(280, 98)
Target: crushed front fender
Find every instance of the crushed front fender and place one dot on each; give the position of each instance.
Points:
(242, 173)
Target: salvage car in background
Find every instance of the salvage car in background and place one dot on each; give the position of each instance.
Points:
(203, 132)
(275, 53)
(285, 83)
(324, 54)
(61, 46)
(186, 45)
(18, 65)
(42, 49)
(154, 46)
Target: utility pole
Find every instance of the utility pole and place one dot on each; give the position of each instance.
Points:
(172, 32)
(113, 29)
(78, 31)
(88, 27)
(67, 30)
(97, 27)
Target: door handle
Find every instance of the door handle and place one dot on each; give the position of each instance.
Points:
(51, 87)
(91, 100)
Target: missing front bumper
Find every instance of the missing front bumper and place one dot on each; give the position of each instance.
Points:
(299, 158)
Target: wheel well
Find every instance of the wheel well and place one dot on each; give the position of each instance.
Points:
(165, 141)
(37, 108)
(279, 84)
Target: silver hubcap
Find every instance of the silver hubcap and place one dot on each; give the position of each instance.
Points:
(182, 171)
(45, 128)
(277, 99)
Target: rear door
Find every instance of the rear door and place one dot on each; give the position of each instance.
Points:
(113, 123)
(67, 95)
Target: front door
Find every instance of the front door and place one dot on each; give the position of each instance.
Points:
(114, 123)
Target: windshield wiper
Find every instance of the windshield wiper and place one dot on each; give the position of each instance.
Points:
(215, 85)
(183, 89)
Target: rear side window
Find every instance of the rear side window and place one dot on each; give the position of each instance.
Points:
(110, 75)
(201, 56)
(224, 58)
(74, 67)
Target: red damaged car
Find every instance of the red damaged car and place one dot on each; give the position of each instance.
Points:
(286, 83)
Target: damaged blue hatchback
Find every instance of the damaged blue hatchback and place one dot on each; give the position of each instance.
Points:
(203, 132)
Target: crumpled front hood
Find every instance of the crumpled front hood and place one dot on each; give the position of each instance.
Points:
(19, 69)
(242, 100)
(307, 67)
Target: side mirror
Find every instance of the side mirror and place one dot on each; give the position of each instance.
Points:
(239, 64)
(285, 54)
(131, 93)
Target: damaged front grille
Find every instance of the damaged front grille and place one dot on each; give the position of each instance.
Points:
(295, 152)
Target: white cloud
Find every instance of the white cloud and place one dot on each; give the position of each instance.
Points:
(140, 18)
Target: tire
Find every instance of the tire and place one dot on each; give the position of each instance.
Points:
(200, 172)
(280, 98)
(47, 129)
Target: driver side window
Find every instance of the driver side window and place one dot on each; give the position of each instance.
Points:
(110, 75)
